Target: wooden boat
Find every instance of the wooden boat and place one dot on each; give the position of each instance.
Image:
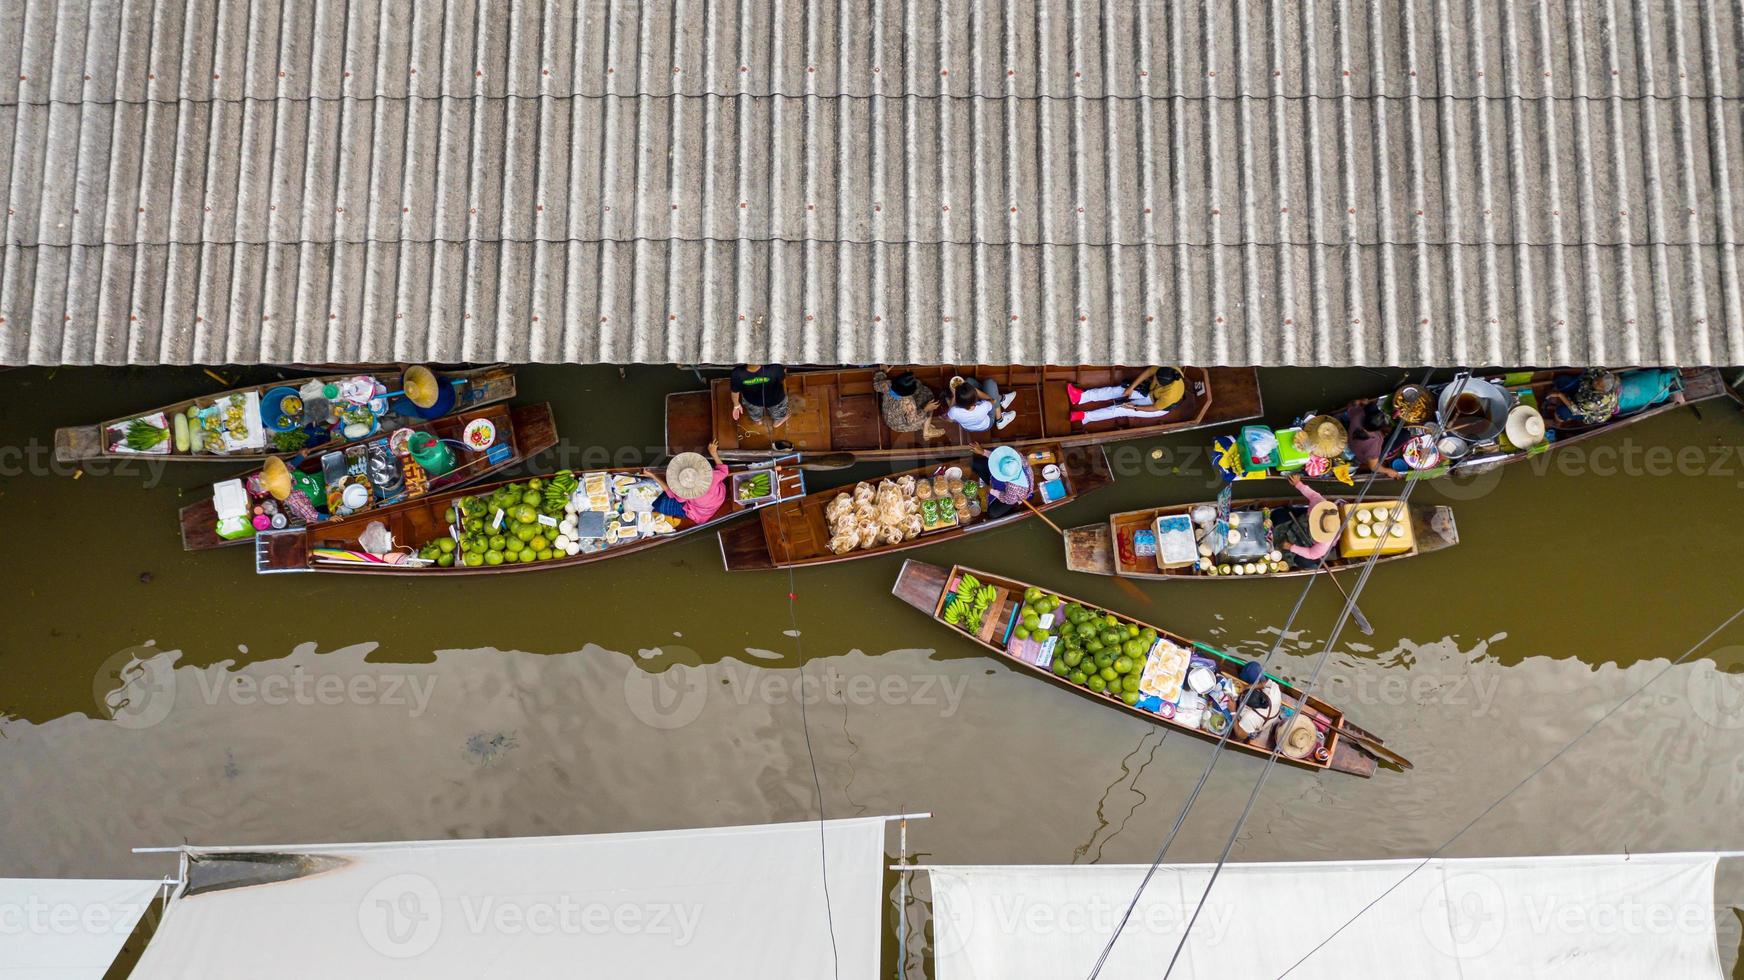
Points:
(836, 410)
(1735, 388)
(926, 587)
(1106, 549)
(527, 430)
(474, 388)
(797, 532)
(419, 521)
(1529, 387)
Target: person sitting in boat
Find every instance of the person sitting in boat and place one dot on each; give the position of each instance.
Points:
(692, 490)
(907, 404)
(1305, 532)
(972, 405)
(1260, 704)
(1368, 427)
(1007, 477)
(1588, 398)
(760, 391)
(1153, 393)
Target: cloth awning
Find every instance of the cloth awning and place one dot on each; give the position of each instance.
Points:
(1545, 917)
(67, 928)
(727, 902)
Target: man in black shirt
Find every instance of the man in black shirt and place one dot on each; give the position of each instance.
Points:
(758, 391)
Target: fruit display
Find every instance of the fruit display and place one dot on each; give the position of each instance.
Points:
(545, 519)
(754, 486)
(967, 607)
(1094, 650)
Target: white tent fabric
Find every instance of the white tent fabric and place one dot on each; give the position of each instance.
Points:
(1544, 917)
(724, 903)
(67, 928)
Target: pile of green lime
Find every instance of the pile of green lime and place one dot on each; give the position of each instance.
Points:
(518, 538)
(1096, 649)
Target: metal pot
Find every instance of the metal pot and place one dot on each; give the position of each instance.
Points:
(1474, 409)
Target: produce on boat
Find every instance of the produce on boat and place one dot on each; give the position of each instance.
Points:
(838, 410)
(289, 417)
(406, 464)
(1199, 541)
(1135, 667)
(938, 502)
(1469, 424)
(566, 518)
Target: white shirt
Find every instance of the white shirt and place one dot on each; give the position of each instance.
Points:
(977, 419)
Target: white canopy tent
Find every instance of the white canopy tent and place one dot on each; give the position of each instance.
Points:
(1622, 916)
(728, 902)
(67, 928)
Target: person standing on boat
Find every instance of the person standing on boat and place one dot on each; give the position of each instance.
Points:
(972, 405)
(759, 390)
(907, 404)
(1304, 533)
(1152, 393)
(1007, 477)
(1588, 398)
(692, 489)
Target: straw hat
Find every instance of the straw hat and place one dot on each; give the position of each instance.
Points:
(1322, 436)
(420, 386)
(1525, 427)
(277, 478)
(1298, 738)
(689, 476)
(1324, 521)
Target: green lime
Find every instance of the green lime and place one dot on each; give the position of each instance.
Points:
(1108, 674)
(497, 542)
(1060, 669)
(445, 561)
(1072, 658)
(1077, 677)
(493, 557)
(1129, 683)
(1096, 683)
(1122, 665)
(474, 559)
(446, 545)
(1021, 633)
(538, 542)
(1130, 697)
(545, 554)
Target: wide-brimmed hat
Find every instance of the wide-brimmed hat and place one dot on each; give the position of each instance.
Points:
(689, 476)
(1525, 427)
(1324, 521)
(1007, 466)
(1596, 394)
(1322, 436)
(1297, 739)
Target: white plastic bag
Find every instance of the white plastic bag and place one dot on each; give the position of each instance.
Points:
(376, 539)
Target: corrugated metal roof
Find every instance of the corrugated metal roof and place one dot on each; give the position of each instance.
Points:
(1246, 181)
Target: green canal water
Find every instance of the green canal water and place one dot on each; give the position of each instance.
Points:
(658, 691)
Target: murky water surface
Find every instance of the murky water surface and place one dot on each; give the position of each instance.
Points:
(658, 691)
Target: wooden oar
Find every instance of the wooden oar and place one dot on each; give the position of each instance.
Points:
(1362, 622)
(1037, 512)
(828, 461)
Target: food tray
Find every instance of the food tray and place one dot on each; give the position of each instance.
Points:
(740, 479)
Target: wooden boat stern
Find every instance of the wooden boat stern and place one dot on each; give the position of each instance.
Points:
(1090, 549)
(920, 584)
(1434, 528)
(78, 442)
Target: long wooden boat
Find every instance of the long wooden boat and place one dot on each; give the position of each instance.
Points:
(473, 388)
(1528, 388)
(836, 410)
(1735, 388)
(797, 532)
(927, 588)
(415, 523)
(1106, 548)
(527, 430)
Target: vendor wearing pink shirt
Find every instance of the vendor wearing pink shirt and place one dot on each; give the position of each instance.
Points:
(692, 489)
(1305, 533)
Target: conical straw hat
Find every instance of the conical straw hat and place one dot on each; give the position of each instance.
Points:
(420, 386)
(277, 477)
